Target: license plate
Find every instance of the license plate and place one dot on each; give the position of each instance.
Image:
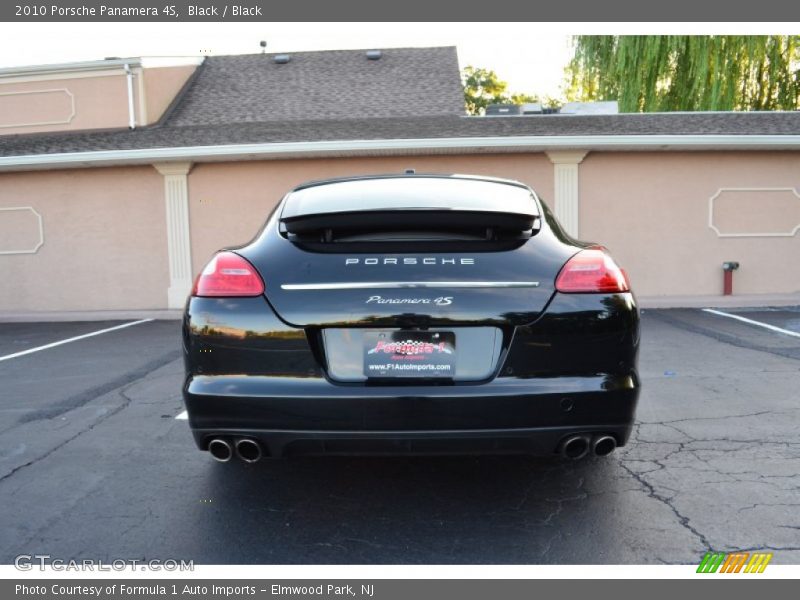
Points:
(409, 354)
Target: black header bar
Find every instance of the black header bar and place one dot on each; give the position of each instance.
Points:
(710, 11)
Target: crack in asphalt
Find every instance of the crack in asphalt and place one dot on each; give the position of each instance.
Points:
(773, 548)
(721, 418)
(57, 447)
(83, 398)
(126, 401)
(650, 488)
(693, 439)
(652, 493)
(759, 504)
(689, 445)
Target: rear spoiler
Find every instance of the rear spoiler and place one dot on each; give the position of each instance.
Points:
(388, 219)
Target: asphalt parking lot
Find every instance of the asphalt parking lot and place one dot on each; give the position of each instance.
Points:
(94, 464)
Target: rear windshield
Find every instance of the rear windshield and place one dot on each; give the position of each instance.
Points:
(403, 193)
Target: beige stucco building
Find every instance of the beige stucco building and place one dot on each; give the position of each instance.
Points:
(119, 179)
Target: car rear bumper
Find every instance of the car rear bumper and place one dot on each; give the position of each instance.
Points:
(314, 416)
(249, 374)
(539, 441)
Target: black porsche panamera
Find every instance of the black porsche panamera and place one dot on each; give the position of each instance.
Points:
(411, 314)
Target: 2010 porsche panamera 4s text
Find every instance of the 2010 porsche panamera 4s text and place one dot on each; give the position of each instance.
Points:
(411, 314)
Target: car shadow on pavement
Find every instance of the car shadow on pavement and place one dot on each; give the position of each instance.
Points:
(489, 509)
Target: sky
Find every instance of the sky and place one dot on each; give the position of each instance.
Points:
(530, 56)
(526, 56)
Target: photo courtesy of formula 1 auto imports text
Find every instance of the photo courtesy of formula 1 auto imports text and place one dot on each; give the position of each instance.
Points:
(356, 300)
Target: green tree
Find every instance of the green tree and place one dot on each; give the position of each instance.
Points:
(483, 87)
(648, 73)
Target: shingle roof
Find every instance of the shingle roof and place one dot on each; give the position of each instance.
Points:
(409, 93)
(336, 84)
(168, 136)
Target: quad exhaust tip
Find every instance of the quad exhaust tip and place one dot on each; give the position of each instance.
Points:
(220, 450)
(603, 445)
(575, 447)
(248, 450)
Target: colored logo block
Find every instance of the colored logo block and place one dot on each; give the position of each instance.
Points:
(735, 562)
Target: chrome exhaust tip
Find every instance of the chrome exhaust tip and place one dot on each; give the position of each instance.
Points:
(248, 450)
(603, 445)
(575, 447)
(220, 450)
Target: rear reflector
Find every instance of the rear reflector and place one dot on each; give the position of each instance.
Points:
(592, 270)
(228, 274)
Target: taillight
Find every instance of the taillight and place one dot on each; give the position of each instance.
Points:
(592, 270)
(228, 274)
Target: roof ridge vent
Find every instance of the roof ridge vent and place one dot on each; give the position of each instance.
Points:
(281, 59)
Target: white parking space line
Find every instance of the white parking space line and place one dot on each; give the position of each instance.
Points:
(184, 416)
(752, 322)
(72, 339)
